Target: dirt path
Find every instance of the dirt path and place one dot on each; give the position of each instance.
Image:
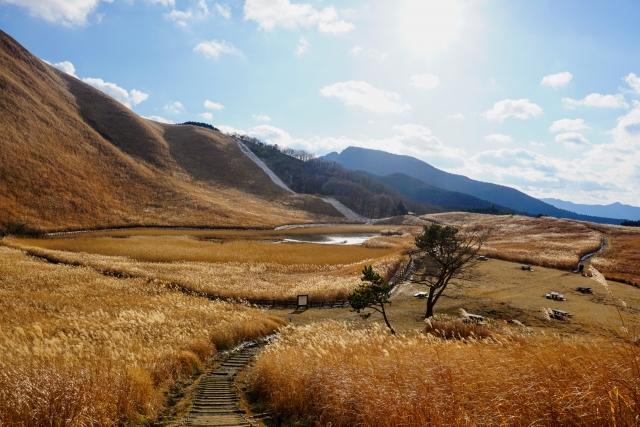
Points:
(586, 259)
(217, 402)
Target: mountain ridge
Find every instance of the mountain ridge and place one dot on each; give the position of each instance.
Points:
(612, 210)
(382, 163)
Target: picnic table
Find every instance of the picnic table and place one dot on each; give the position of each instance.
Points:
(526, 268)
(584, 289)
(556, 296)
(560, 314)
(421, 295)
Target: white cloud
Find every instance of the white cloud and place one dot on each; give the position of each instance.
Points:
(425, 81)
(175, 107)
(303, 47)
(364, 95)
(166, 3)
(66, 12)
(213, 105)
(557, 80)
(520, 108)
(633, 81)
(627, 131)
(137, 97)
(230, 130)
(371, 53)
(458, 116)
(430, 26)
(336, 27)
(160, 119)
(206, 116)
(597, 100)
(214, 48)
(568, 125)
(223, 10)
(181, 17)
(498, 137)
(64, 66)
(273, 13)
(121, 95)
(261, 117)
(572, 140)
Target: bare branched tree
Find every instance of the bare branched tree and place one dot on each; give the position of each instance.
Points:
(447, 254)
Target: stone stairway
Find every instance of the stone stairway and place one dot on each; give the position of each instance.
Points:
(217, 401)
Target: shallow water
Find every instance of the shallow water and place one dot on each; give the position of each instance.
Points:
(351, 239)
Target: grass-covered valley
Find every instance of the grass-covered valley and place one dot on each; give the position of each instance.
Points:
(139, 261)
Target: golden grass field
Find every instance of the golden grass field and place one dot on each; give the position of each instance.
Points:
(105, 314)
(556, 243)
(548, 242)
(252, 266)
(332, 373)
(81, 348)
(621, 261)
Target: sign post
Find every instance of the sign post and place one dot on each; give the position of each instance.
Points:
(303, 301)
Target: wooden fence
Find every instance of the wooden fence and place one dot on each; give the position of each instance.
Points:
(292, 303)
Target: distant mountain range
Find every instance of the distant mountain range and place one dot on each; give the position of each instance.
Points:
(614, 210)
(382, 163)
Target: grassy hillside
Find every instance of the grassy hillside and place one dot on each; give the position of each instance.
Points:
(72, 157)
(359, 191)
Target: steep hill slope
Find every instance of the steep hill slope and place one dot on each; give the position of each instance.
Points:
(383, 163)
(71, 157)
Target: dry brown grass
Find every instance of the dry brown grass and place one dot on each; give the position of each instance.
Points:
(81, 348)
(621, 261)
(333, 374)
(73, 158)
(184, 248)
(547, 242)
(235, 269)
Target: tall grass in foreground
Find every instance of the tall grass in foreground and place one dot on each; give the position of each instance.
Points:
(79, 348)
(335, 374)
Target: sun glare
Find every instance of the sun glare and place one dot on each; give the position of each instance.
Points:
(430, 25)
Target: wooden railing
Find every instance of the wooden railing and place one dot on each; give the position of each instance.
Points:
(294, 303)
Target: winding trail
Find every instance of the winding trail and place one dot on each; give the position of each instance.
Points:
(217, 402)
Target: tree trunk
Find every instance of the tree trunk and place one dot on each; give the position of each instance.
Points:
(430, 303)
(384, 315)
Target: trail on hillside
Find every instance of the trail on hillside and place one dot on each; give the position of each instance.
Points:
(348, 213)
(217, 402)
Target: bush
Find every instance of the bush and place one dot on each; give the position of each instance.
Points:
(456, 329)
(19, 228)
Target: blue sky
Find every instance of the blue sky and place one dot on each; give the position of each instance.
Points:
(539, 95)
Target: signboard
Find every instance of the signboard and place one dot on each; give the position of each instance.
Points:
(303, 301)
